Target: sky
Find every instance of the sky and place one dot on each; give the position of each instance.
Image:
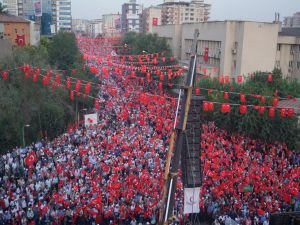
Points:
(255, 10)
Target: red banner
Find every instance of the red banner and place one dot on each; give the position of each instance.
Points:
(154, 21)
(206, 55)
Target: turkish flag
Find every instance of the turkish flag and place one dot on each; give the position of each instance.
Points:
(30, 159)
(20, 40)
(154, 21)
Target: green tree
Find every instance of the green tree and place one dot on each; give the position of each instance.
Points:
(253, 124)
(2, 8)
(63, 51)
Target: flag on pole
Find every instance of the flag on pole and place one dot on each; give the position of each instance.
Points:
(191, 200)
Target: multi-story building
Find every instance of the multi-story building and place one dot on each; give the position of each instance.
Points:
(80, 26)
(237, 47)
(46, 19)
(151, 17)
(292, 21)
(11, 7)
(61, 15)
(180, 12)
(95, 28)
(131, 17)
(111, 24)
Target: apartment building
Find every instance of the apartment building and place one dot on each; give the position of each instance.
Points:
(11, 7)
(95, 28)
(179, 12)
(61, 15)
(80, 26)
(111, 24)
(131, 17)
(237, 47)
(292, 21)
(151, 17)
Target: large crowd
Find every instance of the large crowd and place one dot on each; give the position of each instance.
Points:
(112, 172)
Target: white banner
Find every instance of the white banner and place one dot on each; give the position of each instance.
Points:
(38, 8)
(191, 200)
(90, 119)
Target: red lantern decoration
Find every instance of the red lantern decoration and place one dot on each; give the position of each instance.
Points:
(205, 106)
(226, 96)
(160, 85)
(96, 104)
(263, 99)
(161, 77)
(226, 79)
(270, 77)
(283, 112)
(68, 82)
(291, 112)
(211, 106)
(35, 77)
(272, 112)
(46, 80)
(38, 71)
(78, 86)
(242, 98)
(72, 95)
(275, 102)
(221, 79)
(197, 91)
(261, 110)
(240, 79)
(87, 88)
(243, 109)
(4, 75)
(225, 108)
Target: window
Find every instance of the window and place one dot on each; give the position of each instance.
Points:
(16, 30)
(278, 47)
(290, 64)
(298, 65)
(292, 50)
(277, 64)
(234, 64)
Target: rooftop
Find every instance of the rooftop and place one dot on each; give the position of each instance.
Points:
(7, 18)
(287, 31)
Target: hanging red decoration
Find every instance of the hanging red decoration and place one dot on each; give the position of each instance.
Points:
(261, 110)
(240, 79)
(87, 88)
(163, 59)
(275, 102)
(160, 85)
(226, 80)
(263, 99)
(205, 106)
(210, 106)
(96, 104)
(226, 95)
(291, 112)
(272, 112)
(243, 109)
(4, 75)
(38, 71)
(283, 112)
(35, 77)
(221, 79)
(78, 86)
(225, 108)
(270, 77)
(161, 77)
(242, 98)
(68, 82)
(46, 80)
(197, 91)
(72, 95)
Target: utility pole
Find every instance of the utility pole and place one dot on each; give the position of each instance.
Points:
(177, 137)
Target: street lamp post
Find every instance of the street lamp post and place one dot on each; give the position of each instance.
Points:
(23, 131)
(78, 115)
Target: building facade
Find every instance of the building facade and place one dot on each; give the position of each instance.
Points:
(236, 47)
(95, 28)
(111, 25)
(131, 17)
(80, 26)
(151, 17)
(180, 12)
(61, 15)
(292, 21)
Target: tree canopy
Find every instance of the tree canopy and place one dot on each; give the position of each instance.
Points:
(252, 123)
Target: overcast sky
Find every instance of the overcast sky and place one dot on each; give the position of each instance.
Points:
(259, 10)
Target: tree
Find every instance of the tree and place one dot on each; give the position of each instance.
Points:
(253, 124)
(63, 51)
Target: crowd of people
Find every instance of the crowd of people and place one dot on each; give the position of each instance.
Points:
(112, 172)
